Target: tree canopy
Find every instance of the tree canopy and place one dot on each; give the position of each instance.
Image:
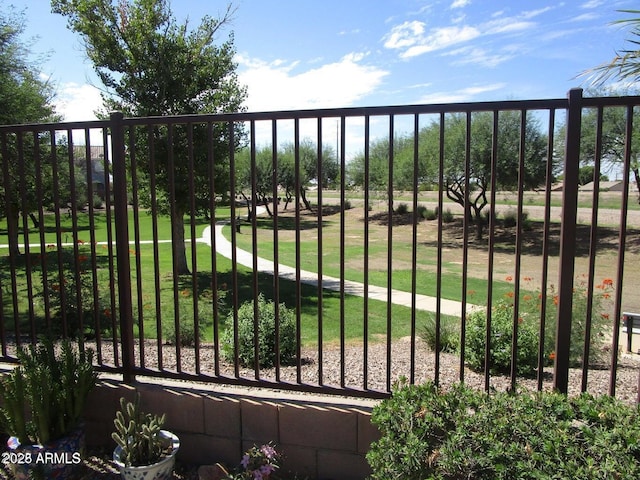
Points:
(465, 186)
(152, 65)
(24, 98)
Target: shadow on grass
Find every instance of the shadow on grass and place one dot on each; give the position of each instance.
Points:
(533, 237)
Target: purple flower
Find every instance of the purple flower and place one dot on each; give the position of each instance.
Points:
(268, 451)
(245, 461)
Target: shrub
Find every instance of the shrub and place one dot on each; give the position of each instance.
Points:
(511, 219)
(428, 432)
(449, 333)
(187, 328)
(501, 340)
(447, 216)
(529, 329)
(266, 334)
(72, 296)
(402, 209)
(427, 213)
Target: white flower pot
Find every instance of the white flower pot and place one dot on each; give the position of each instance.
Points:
(163, 470)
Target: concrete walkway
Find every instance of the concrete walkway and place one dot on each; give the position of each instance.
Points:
(245, 258)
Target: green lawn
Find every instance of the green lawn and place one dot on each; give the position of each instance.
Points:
(146, 297)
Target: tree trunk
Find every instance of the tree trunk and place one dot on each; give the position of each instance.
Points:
(303, 195)
(178, 244)
(13, 218)
(636, 174)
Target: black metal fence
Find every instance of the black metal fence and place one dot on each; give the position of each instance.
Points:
(120, 230)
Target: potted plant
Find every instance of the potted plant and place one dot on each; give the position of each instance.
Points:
(143, 449)
(43, 400)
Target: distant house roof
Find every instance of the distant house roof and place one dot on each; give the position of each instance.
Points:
(615, 186)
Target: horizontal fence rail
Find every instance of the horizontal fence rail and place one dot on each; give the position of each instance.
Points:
(332, 251)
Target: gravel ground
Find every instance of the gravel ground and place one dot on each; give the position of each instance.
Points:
(598, 376)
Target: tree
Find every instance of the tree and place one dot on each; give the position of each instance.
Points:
(151, 65)
(613, 139)
(24, 98)
(480, 158)
(625, 65)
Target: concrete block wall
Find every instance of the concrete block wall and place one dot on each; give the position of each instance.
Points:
(324, 438)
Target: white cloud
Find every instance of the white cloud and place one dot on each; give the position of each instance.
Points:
(77, 102)
(585, 17)
(441, 38)
(279, 86)
(412, 39)
(479, 56)
(592, 4)
(463, 95)
(405, 35)
(460, 3)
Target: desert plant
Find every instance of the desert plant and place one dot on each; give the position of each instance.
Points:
(138, 434)
(266, 334)
(449, 333)
(52, 385)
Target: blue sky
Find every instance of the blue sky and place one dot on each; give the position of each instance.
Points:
(315, 54)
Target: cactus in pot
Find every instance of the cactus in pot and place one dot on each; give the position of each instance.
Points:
(141, 443)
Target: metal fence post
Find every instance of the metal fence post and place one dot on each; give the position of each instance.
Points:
(125, 309)
(568, 241)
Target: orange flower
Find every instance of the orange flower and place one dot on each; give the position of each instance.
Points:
(552, 356)
(510, 294)
(107, 312)
(606, 295)
(526, 298)
(520, 320)
(509, 278)
(555, 299)
(55, 287)
(605, 316)
(82, 258)
(471, 293)
(527, 279)
(185, 293)
(607, 282)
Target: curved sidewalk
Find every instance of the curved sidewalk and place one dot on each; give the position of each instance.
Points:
(245, 258)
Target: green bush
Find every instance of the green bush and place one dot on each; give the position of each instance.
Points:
(529, 329)
(402, 209)
(449, 333)
(427, 432)
(501, 340)
(511, 219)
(447, 216)
(266, 334)
(187, 328)
(427, 213)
